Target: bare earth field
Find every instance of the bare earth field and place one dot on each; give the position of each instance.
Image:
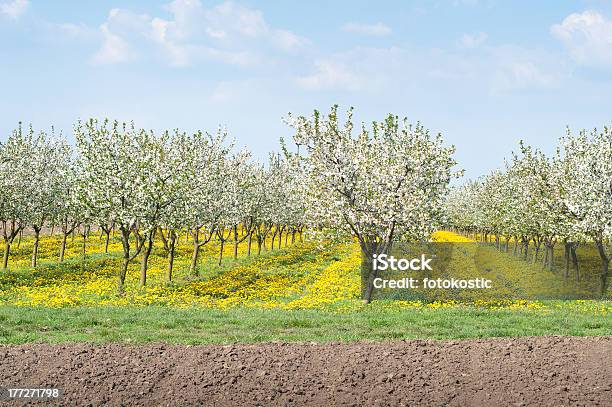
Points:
(550, 371)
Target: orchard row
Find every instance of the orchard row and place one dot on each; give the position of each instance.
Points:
(545, 201)
(378, 184)
(140, 183)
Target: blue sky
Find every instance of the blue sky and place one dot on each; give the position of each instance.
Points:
(485, 73)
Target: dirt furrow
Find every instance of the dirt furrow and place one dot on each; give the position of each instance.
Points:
(543, 371)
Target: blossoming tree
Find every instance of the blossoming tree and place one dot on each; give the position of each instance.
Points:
(112, 164)
(587, 162)
(205, 178)
(383, 184)
(49, 167)
(16, 154)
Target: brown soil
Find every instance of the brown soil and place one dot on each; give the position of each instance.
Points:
(545, 371)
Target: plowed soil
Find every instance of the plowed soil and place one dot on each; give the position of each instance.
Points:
(542, 371)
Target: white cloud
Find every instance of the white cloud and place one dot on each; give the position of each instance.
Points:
(497, 69)
(491, 69)
(374, 30)
(587, 36)
(228, 32)
(471, 41)
(523, 75)
(237, 20)
(178, 55)
(14, 9)
(114, 49)
(120, 26)
(232, 23)
(363, 69)
(288, 41)
(518, 68)
(331, 75)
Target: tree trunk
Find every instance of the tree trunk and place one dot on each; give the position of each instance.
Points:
(163, 238)
(551, 257)
(107, 241)
(7, 251)
(605, 264)
(368, 274)
(63, 247)
(123, 273)
(258, 245)
(249, 242)
(566, 258)
(171, 245)
(125, 241)
(272, 240)
(193, 268)
(536, 251)
(575, 261)
(221, 251)
(144, 265)
(367, 277)
(235, 242)
(35, 249)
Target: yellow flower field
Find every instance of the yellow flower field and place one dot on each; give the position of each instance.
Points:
(299, 276)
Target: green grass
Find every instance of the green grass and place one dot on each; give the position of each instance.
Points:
(347, 320)
(201, 326)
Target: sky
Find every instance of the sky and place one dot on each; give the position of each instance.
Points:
(484, 73)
